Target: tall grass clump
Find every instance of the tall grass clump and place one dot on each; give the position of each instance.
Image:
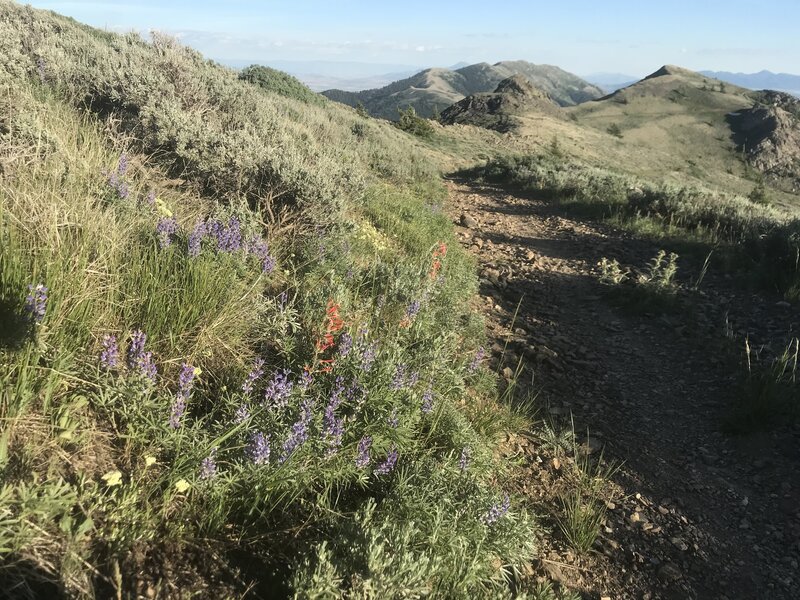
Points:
(767, 393)
(236, 350)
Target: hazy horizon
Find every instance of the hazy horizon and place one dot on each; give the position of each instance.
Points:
(619, 37)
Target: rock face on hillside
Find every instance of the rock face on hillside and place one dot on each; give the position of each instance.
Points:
(497, 110)
(769, 134)
(433, 90)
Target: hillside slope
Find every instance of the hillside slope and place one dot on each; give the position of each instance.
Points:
(673, 126)
(433, 90)
(237, 355)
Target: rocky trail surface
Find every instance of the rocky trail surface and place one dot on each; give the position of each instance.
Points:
(692, 512)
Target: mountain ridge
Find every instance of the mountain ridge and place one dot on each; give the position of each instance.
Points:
(433, 90)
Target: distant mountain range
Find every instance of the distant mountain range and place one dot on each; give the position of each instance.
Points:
(432, 90)
(763, 80)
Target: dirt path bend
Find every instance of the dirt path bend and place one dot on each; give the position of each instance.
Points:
(697, 513)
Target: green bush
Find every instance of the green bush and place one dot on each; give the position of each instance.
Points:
(281, 83)
(411, 123)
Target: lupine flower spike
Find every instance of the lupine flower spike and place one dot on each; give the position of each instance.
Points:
(185, 385)
(208, 466)
(362, 454)
(387, 466)
(109, 357)
(259, 448)
(36, 302)
(497, 511)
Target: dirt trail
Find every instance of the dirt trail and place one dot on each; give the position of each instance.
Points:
(696, 513)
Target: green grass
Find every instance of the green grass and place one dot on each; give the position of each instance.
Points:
(100, 495)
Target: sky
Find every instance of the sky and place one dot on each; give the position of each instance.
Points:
(632, 37)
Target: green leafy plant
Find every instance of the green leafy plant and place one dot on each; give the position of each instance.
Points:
(413, 124)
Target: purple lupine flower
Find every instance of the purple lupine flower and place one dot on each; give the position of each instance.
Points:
(136, 347)
(109, 357)
(146, 366)
(260, 250)
(306, 379)
(116, 180)
(476, 360)
(256, 372)
(278, 390)
(299, 433)
(362, 454)
(186, 381)
(208, 466)
(151, 198)
(387, 466)
(242, 414)
(413, 309)
(185, 384)
(195, 242)
(122, 167)
(259, 448)
(177, 410)
(166, 228)
(399, 379)
(333, 426)
(282, 298)
(497, 511)
(463, 462)
(123, 191)
(427, 400)
(413, 379)
(345, 344)
(393, 420)
(368, 355)
(229, 237)
(138, 359)
(36, 302)
(268, 265)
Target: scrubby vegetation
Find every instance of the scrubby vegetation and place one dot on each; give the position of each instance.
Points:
(236, 347)
(280, 83)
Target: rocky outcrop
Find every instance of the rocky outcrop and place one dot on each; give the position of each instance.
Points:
(499, 109)
(769, 135)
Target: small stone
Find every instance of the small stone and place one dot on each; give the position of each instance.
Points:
(508, 373)
(467, 221)
(668, 572)
(783, 304)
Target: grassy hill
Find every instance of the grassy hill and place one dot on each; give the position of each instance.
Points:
(433, 90)
(236, 349)
(673, 126)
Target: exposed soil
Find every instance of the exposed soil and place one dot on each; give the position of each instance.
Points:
(693, 512)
